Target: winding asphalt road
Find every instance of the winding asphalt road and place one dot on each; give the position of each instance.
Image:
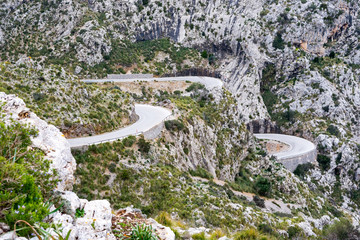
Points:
(209, 82)
(298, 146)
(149, 116)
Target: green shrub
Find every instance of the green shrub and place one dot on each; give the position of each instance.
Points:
(174, 125)
(79, 213)
(263, 186)
(204, 54)
(302, 169)
(267, 81)
(129, 141)
(164, 219)
(112, 167)
(199, 236)
(125, 174)
(25, 180)
(216, 234)
(341, 229)
(259, 201)
(265, 228)
(194, 87)
(144, 146)
(143, 232)
(249, 234)
(201, 172)
(39, 96)
(324, 162)
(278, 42)
(333, 130)
(295, 232)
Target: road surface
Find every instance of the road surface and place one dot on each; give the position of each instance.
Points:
(298, 146)
(149, 116)
(209, 82)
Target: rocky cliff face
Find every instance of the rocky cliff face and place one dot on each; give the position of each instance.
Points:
(241, 34)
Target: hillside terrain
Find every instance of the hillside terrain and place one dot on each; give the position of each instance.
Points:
(288, 67)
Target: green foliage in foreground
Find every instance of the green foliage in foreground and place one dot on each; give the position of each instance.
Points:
(143, 232)
(25, 181)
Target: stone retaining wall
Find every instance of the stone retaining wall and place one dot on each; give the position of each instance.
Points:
(154, 132)
(292, 163)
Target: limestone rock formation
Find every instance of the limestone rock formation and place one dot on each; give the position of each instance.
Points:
(50, 140)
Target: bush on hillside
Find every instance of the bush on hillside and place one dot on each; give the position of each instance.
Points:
(195, 87)
(259, 201)
(295, 232)
(129, 141)
(333, 130)
(165, 219)
(174, 125)
(263, 186)
(201, 172)
(249, 234)
(144, 146)
(278, 42)
(143, 232)
(25, 181)
(302, 169)
(324, 162)
(342, 229)
(199, 236)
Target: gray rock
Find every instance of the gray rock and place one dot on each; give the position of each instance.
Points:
(71, 202)
(163, 232)
(4, 228)
(8, 236)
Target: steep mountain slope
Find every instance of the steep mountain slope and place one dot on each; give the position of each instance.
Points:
(294, 62)
(75, 108)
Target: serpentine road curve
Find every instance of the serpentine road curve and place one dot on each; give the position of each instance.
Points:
(298, 146)
(300, 150)
(149, 116)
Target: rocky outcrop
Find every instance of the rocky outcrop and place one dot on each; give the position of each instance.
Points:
(95, 223)
(49, 139)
